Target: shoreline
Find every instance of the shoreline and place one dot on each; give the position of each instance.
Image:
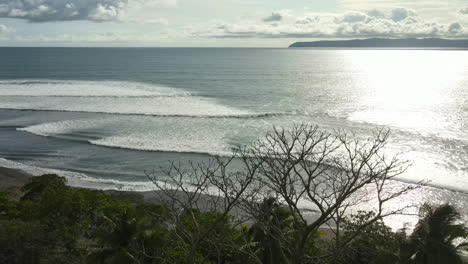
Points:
(11, 181)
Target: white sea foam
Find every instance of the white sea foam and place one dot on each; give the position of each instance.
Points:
(430, 159)
(191, 106)
(113, 97)
(57, 88)
(166, 139)
(209, 144)
(82, 180)
(144, 133)
(79, 179)
(127, 98)
(63, 127)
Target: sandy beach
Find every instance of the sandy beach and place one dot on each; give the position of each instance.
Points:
(11, 180)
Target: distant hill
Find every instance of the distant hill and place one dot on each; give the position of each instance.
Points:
(386, 43)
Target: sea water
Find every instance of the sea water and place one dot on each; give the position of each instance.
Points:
(104, 117)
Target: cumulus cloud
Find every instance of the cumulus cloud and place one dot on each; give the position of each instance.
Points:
(399, 14)
(63, 10)
(4, 29)
(351, 17)
(455, 28)
(464, 10)
(398, 22)
(274, 17)
(376, 13)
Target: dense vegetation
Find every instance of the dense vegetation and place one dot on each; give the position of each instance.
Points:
(54, 223)
(241, 209)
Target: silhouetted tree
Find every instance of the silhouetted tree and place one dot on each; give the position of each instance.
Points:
(434, 240)
(332, 172)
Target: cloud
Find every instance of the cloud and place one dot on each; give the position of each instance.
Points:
(464, 10)
(4, 29)
(455, 28)
(376, 13)
(149, 21)
(399, 14)
(5, 32)
(399, 22)
(63, 10)
(158, 3)
(352, 17)
(116, 36)
(423, 6)
(274, 17)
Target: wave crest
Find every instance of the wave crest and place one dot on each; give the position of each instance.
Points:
(237, 116)
(72, 88)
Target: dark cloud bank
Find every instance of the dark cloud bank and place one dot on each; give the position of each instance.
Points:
(62, 10)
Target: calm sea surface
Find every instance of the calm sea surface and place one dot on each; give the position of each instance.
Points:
(103, 116)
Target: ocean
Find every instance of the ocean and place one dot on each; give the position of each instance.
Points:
(103, 117)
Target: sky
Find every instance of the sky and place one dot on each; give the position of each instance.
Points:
(223, 23)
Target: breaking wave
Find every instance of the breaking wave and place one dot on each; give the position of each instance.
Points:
(58, 88)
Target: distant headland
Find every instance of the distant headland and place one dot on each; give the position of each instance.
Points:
(425, 43)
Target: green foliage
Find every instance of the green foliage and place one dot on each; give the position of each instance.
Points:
(376, 243)
(274, 235)
(219, 238)
(433, 241)
(273, 223)
(67, 219)
(38, 186)
(22, 242)
(54, 223)
(6, 205)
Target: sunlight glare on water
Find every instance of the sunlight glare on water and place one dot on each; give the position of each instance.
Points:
(166, 107)
(420, 94)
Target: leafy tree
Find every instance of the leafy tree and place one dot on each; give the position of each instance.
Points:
(271, 223)
(67, 213)
(220, 242)
(66, 218)
(23, 242)
(6, 205)
(435, 238)
(375, 244)
(39, 186)
(117, 238)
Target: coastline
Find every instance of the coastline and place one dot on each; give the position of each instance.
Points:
(11, 181)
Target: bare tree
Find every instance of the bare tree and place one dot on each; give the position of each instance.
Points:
(305, 169)
(207, 187)
(330, 172)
